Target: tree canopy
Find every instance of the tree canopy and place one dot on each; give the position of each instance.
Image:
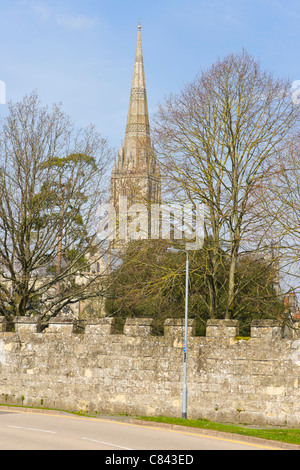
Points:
(150, 282)
(52, 181)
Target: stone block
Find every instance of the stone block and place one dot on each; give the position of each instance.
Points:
(99, 326)
(175, 328)
(61, 326)
(222, 329)
(3, 324)
(138, 327)
(27, 325)
(268, 329)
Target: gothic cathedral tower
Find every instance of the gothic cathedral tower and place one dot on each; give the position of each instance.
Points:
(135, 173)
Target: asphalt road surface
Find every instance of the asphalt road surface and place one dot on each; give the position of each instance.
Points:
(37, 431)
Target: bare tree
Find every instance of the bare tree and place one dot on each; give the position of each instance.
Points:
(282, 203)
(52, 181)
(216, 140)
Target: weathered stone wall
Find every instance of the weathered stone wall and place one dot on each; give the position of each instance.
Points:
(254, 381)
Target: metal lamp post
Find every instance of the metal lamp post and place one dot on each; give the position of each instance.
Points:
(184, 389)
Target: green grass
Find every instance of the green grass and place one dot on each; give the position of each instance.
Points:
(290, 436)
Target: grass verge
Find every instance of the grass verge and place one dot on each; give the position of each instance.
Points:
(290, 436)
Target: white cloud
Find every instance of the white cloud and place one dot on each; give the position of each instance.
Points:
(46, 12)
(42, 9)
(75, 22)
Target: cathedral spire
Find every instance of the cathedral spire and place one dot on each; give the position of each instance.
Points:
(136, 173)
(137, 144)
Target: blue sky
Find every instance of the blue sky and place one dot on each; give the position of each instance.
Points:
(81, 52)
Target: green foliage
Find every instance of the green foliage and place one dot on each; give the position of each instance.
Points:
(70, 160)
(150, 282)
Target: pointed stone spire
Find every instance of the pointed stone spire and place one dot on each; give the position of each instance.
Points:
(137, 142)
(114, 168)
(136, 174)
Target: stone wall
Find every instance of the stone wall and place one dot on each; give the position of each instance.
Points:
(253, 381)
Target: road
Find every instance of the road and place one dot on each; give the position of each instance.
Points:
(36, 431)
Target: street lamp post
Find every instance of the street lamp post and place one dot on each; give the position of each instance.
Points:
(184, 389)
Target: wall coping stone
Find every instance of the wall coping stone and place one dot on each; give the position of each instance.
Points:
(173, 327)
(222, 322)
(265, 323)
